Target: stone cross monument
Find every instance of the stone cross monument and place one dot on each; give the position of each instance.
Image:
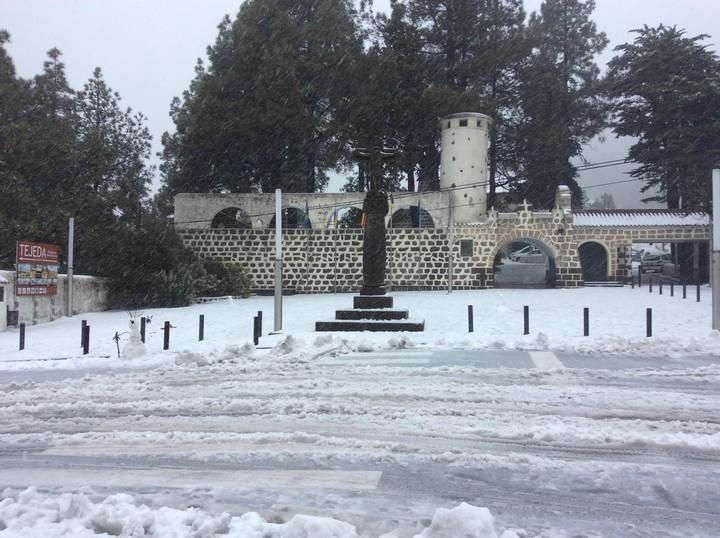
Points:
(375, 207)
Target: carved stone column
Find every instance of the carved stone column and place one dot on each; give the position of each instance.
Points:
(375, 207)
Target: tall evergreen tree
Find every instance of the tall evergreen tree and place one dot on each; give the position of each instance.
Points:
(559, 92)
(271, 110)
(667, 91)
(113, 148)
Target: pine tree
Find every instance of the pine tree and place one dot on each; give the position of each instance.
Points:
(667, 91)
(113, 148)
(271, 109)
(559, 95)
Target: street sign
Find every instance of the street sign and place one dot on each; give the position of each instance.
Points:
(37, 269)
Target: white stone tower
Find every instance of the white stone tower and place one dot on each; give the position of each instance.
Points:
(463, 163)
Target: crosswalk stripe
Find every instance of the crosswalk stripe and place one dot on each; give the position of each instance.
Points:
(373, 362)
(187, 478)
(546, 360)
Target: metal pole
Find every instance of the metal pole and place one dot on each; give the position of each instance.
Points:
(715, 278)
(451, 241)
(278, 261)
(70, 263)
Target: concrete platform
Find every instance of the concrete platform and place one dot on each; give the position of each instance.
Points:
(371, 325)
(371, 313)
(359, 313)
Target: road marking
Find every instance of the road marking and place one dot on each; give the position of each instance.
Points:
(546, 360)
(372, 362)
(186, 478)
(384, 354)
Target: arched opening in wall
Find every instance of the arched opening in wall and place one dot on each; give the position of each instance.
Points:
(594, 262)
(345, 217)
(524, 263)
(292, 217)
(231, 217)
(411, 217)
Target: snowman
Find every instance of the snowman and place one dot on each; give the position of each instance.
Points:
(135, 347)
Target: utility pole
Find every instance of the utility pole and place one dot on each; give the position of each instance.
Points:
(277, 327)
(70, 262)
(715, 277)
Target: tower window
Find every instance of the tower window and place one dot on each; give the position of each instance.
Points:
(479, 123)
(463, 123)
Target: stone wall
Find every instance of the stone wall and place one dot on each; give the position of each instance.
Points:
(327, 260)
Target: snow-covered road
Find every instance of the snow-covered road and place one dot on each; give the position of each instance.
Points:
(557, 444)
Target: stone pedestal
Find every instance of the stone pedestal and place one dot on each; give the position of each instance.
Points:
(371, 313)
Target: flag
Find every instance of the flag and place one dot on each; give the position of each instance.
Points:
(334, 219)
(306, 222)
(363, 220)
(392, 208)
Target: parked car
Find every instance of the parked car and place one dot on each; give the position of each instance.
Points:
(654, 263)
(527, 250)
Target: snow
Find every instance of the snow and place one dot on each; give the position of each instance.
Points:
(30, 514)
(638, 217)
(260, 424)
(617, 326)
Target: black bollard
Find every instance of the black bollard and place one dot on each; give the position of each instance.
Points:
(684, 290)
(650, 285)
(82, 332)
(256, 336)
(22, 336)
(201, 328)
(259, 322)
(86, 340)
(660, 287)
(470, 318)
(142, 329)
(586, 321)
(526, 319)
(632, 282)
(639, 278)
(698, 292)
(648, 322)
(166, 336)
(672, 289)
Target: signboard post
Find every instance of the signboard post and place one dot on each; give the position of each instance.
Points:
(37, 269)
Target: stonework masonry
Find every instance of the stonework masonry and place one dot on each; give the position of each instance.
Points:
(330, 260)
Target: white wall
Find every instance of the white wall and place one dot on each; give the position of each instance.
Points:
(90, 295)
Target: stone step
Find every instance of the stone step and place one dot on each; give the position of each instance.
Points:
(383, 313)
(371, 325)
(604, 284)
(372, 301)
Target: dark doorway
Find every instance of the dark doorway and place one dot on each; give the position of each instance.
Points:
(594, 262)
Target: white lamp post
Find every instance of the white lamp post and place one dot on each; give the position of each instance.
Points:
(715, 277)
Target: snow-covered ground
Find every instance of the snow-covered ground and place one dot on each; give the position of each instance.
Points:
(316, 435)
(617, 325)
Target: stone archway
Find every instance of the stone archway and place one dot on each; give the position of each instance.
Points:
(411, 217)
(345, 217)
(593, 261)
(292, 217)
(231, 217)
(524, 262)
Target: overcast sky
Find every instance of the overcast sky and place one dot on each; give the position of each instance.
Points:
(147, 50)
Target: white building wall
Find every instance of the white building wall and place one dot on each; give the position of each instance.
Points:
(89, 295)
(463, 164)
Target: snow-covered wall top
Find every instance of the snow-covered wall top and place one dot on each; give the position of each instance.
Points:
(639, 217)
